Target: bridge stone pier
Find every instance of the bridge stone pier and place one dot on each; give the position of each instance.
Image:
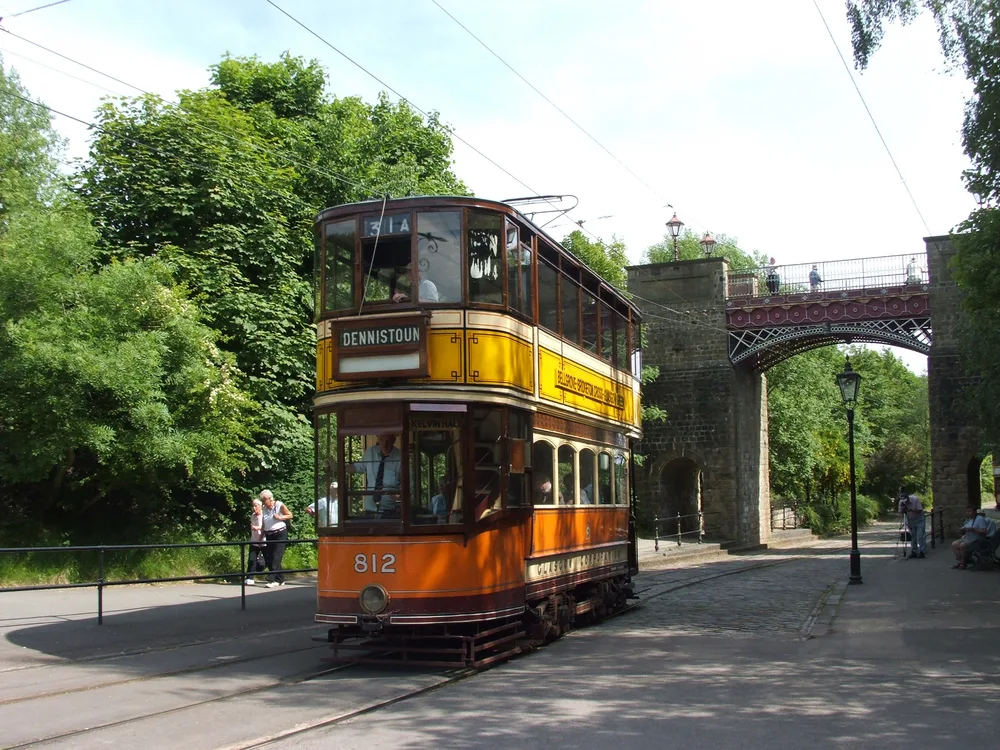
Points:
(714, 333)
(711, 452)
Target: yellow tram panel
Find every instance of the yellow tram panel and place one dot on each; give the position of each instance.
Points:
(498, 358)
(563, 381)
(445, 355)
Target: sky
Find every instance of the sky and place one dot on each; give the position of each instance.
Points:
(741, 117)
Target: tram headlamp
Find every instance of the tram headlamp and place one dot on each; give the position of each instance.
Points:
(373, 599)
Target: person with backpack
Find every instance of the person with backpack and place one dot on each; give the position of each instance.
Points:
(913, 510)
(975, 533)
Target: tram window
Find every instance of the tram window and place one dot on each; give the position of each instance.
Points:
(548, 300)
(545, 488)
(621, 341)
(385, 264)
(607, 332)
(518, 431)
(488, 452)
(589, 305)
(567, 474)
(621, 479)
(485, 258)
(570, 309)
(374, 466)
(339, 277)
(518, 272)
(439, 256)
(635, 334)
(587, 484)
(325, 506)
(436, 469)
(604, 478)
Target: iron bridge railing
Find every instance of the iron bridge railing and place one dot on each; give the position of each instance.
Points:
(883, 272)
(101, 583)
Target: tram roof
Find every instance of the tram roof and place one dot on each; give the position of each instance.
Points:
(465, 201)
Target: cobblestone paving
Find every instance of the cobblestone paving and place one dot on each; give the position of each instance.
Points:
(773, 601)
(772, 595)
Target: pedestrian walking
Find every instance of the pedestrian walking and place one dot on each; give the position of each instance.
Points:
(912, 510)
(275, 516)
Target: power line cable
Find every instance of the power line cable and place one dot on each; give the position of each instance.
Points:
(40, 7)
(401, 97)
(555, 106)
(871, 117)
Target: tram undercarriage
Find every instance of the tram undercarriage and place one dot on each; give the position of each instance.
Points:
(480, 644)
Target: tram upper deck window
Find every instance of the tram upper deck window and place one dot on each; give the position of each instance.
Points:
(589, 306)
(548, 299)
(436, 468)
(607, 332)
(339, 271)
(570, 294)
(385, 257)
(485, 234)
(518, 271)
(439, 256)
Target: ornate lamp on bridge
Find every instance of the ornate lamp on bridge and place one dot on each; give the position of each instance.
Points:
(708, 244)
(674, 227)
(849, 382)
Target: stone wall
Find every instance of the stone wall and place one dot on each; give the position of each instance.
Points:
(716, 417)
(955, 442)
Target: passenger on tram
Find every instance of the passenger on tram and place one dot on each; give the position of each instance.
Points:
(440, 502)
(427, 291)
(543, 491)
(381, 464)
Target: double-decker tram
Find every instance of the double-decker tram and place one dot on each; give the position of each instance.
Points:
(477, 395)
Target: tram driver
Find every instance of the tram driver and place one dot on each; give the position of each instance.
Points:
(381, 464)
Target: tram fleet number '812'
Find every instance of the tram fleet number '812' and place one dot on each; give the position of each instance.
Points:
(361, 564)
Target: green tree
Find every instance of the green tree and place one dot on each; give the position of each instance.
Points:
(223, 187)
(118, 405)
(607, 260)
(969, 34)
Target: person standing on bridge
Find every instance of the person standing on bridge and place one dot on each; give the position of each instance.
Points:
(275, 513)
(814, 280)
(913, 510)
(773, 279)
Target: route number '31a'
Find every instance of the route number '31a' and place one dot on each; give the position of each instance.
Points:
(374, 563)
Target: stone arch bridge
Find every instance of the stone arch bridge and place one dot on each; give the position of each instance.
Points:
(714, 333)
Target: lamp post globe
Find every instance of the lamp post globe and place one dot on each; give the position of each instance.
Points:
(849, 383)
(708, 244)
(674, 227)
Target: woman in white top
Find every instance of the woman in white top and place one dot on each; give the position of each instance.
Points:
(275, 515)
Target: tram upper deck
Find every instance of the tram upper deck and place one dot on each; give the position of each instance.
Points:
(452, 298)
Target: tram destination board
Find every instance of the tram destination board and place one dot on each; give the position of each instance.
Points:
(369, 349)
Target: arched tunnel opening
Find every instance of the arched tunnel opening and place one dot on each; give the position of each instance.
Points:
(680, 494)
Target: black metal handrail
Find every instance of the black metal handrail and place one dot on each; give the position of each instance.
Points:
(700, 531)
(101, 583)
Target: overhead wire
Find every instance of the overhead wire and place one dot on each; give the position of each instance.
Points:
(40, 7)
(555, 106)
(871, 117)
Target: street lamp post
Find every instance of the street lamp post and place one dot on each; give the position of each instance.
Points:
(708, 244)
(849, 382)
(674, 226)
